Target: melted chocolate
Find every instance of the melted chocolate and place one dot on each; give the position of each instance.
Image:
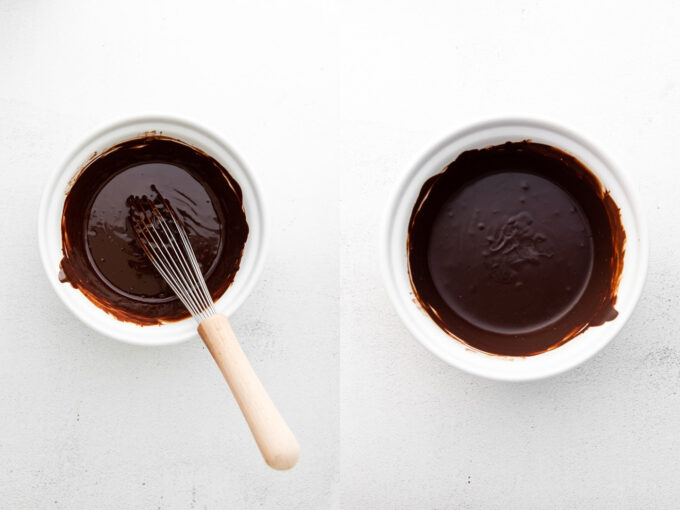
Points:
(515, 249)
(101, 255)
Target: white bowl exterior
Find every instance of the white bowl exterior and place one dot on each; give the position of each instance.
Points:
(395, 264)
(51, 209)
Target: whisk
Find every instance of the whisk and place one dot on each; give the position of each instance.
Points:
(163, 239)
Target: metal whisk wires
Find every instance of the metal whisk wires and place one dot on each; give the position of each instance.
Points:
(162, 237)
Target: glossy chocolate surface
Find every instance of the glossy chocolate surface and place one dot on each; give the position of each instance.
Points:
(514, 249)
(101, 255)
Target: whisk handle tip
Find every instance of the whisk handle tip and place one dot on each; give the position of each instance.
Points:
(274, 438)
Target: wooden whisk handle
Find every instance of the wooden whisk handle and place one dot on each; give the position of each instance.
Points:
(277, 443)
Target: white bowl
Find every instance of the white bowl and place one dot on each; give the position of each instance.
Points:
(52, 204)
(395, 265)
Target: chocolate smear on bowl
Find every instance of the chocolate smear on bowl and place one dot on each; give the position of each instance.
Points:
(515, 249)
(101, 255)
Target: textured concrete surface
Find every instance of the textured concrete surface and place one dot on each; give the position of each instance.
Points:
(86, 422)
(416, 433)
(338, 97)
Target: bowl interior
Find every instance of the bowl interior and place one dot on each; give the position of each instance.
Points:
(395, 264)
(49, 228)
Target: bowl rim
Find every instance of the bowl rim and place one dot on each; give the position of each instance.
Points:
(389, 272)
(66, 165)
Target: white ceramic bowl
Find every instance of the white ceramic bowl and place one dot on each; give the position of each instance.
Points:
(52, 204)
(395, 265)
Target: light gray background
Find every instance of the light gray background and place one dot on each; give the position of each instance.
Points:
(416, 433)
(330, 102)
(89, 423)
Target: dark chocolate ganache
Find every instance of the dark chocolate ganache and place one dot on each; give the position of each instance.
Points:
(102, 257)
(515, 249)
